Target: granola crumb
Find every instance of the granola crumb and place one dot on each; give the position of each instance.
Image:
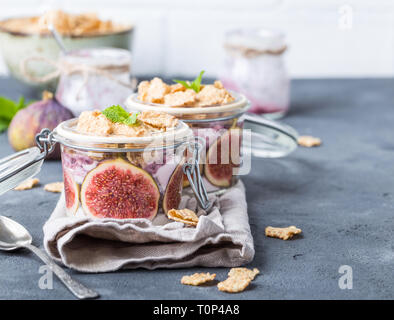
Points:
(158, 119)
(54, 187)
(244, 272)
(282, 233)
(234, 284)
(197, 279)
(181, 98)
(27, 184)
(153, 91)
(186, 216)
(176, 95)
(94, 122)
(309, 141)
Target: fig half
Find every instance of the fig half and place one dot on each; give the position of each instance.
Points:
(120, 190)
(173, 193)
(223, 157)
(71, 192)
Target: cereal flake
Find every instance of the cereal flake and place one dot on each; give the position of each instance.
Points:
(153, 91)
(282, 233)
(94, 122)
(186, 216)
(27, 184)
(181, 98)
(54, 187)
(234, 284)
(197, 279)
(244, 272)
(309, 141)
(158, 119)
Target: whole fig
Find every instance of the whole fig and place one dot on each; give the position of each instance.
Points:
(47, 113)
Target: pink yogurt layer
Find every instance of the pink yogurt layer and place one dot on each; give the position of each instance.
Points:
(256, 106)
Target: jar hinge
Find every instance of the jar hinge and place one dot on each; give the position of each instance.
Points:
(192, 170)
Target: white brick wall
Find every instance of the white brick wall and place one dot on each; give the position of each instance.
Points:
(182, 37)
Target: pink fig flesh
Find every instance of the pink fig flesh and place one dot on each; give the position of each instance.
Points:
(222, 158)
(173, 193)
(120, 190)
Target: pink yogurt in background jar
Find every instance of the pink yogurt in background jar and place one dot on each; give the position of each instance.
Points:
(254, 66)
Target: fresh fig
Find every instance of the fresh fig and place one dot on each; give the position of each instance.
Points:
(117, 189)
(173, 193)
(222, 158)
(29, 121)
(71, 192)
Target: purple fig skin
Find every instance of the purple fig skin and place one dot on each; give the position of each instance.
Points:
(47, 113)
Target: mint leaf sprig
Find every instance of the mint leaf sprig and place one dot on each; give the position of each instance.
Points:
(8, 109)
(195, 85)
(117, 114)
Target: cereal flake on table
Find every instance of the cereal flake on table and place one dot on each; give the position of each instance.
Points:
(186, 216)
(234, 284)
(198, 278)
(244, 272)
(309, 141)
(27, 184)
(54, 187)
(282, 233)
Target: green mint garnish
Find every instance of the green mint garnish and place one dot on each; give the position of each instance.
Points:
(120, 115)
(8, 109)
(195, 85)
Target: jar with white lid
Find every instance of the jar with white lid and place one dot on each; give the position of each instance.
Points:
(94, 78)
(254, 66)
(230, 135)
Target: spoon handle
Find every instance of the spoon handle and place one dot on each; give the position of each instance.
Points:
(79, 290)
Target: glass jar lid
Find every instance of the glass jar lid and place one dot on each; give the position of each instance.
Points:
(66, 134)
(268, 138)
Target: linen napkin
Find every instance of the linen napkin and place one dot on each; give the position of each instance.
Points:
(222, 238)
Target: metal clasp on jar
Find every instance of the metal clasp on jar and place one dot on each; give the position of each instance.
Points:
(45, 142)
(192, 170)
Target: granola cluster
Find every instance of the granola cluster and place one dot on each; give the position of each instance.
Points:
(176, 95)
(96, 123)
(185, 216)
(65, 23)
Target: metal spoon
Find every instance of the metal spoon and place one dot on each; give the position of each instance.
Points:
(14, 236)
(58, 37)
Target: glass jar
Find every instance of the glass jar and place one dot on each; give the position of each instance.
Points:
(94, 79)
(254, 66)
(228, 145)
(114, 177)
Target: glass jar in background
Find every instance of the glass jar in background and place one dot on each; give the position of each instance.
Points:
(254, 66)
(94, 79)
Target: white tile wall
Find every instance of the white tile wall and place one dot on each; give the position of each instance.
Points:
(182, 37)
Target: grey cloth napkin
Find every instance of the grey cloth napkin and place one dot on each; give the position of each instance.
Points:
(222, 238)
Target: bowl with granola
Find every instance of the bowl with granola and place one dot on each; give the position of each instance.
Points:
(24, 37)
(122, 165)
